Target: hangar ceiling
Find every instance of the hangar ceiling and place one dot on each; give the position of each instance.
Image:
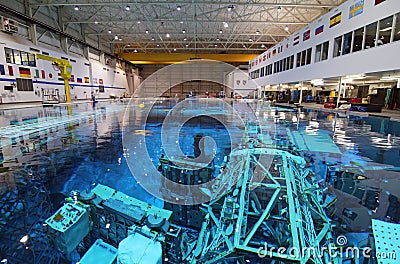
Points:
(196, 26)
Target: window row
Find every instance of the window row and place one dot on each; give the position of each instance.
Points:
(321, 51)
(304, 57)
(265, 71)
(284, 64)
(255, 74)
(381, 32)
(20, 57)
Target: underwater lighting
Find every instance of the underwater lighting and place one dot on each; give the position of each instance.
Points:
(24, 239)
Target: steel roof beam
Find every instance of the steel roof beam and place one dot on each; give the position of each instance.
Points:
(246, 3)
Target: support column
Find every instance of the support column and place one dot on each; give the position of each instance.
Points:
(102, 58)
(64, 44)
(340, 90)
(33, 34)
(86, 52)
(301, 93)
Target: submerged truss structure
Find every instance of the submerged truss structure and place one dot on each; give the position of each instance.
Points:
(279, 217)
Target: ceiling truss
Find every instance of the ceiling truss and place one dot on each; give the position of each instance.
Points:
(243, 26)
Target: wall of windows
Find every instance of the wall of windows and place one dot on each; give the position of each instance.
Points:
(372, 35)
(284, 64)
(20, 57)
(321, 51)
(304, 57)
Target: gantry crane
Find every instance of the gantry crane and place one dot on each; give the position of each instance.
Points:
(65, 69)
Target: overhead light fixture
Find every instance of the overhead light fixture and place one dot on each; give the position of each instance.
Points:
(317, 82)
(178, 8)
(262, 46)
(147, 31)
(215, 45)
(139, 22)
(109, 31)
(128, 45)
(181, 22)
(244, 46)
(174, 49)
(279, 8)
(116, 37)
(230, 8)
(183, 31)
(153, 39)
(187, 45)
(286, 28)
(218, 39)
(250, 39)
(127, 8)
(258, 32)
(96, 22)
(135, 50)
(220, 31)
(158, 45)
(167, 35)
(76, 8)
(185, 39)
(225, 24)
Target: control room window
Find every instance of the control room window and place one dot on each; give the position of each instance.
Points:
(298, 59)
(396, 35)
(385, 30)
(358, 39)
(325, 50)
(347, 43)
(303, 57)
(9, 55)
(337, 47)
(318, 50)
(24, 58)
(287, 63)
(370, 35)
(308, 58)
(17, 57)
(24, 84)
(291, 61)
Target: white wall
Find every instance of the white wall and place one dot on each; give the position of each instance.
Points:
(240, 82)
(381, 58)
(115, 78)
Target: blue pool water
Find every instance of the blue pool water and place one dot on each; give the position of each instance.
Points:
(78, 151)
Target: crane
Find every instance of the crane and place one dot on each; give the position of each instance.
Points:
(65, 69)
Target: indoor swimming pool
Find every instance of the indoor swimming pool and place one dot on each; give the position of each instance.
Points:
(356, 157)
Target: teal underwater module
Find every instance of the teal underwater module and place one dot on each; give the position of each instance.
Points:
(215, 181)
